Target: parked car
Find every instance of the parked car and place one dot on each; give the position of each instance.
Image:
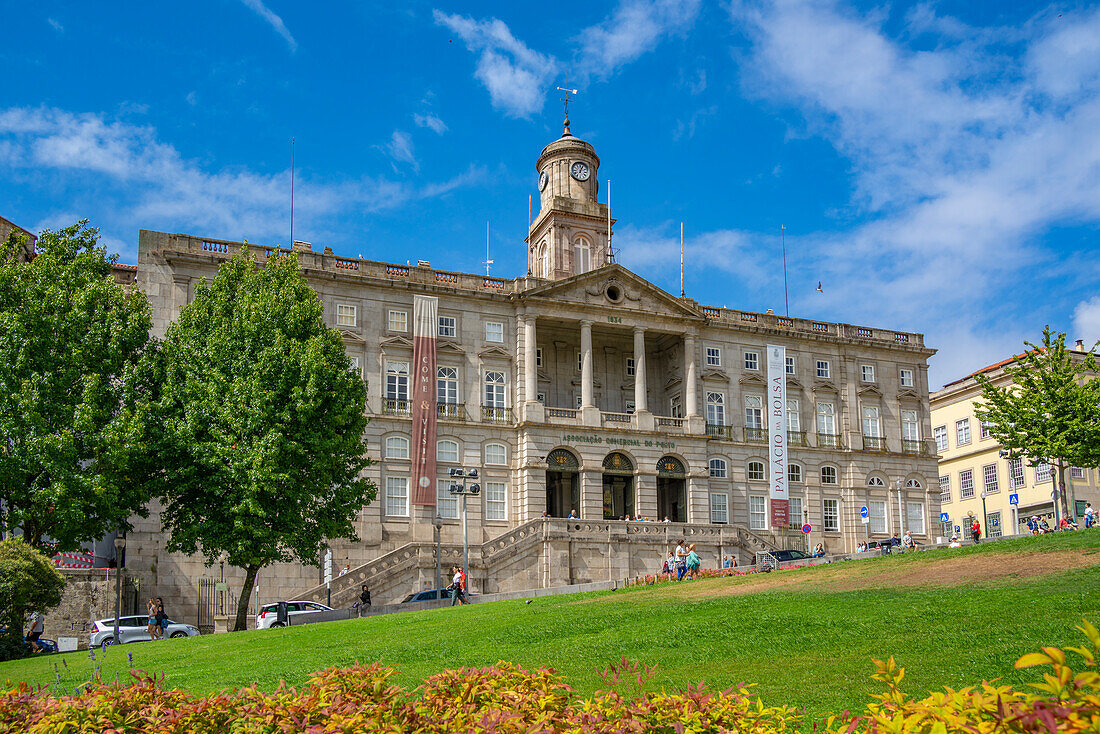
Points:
(134, 629)
(430, 595)
(269, 613)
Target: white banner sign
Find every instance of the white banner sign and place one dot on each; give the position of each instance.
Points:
(776, 402)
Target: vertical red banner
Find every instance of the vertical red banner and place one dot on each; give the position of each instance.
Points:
(423, 395)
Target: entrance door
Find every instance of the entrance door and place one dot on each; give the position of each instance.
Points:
(671, 499)
(563, 493)
(618, 496)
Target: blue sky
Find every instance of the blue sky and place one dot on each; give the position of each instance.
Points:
(936, 165)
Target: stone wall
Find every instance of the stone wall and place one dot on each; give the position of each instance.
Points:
(89, 594)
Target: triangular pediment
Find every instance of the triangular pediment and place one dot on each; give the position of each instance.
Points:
(752, 378)
(792, 382)
(614, 286)
(449, 348)
(717, 375)
(494, 353)
(908, 393)
(395, 342)
(350, 337)
(869, 390)
(822, 386)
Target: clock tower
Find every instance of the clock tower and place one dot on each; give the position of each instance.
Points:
(570, 234)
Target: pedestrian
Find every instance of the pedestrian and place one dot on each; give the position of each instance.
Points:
(345, 569)
(458, 586)
(34, 632)
(976, 531)
(152, 626)
(681, 560)
(162, 619)
(692, 562)
(573, 515)
(364, 600)
(1090, 515)
(908, 541)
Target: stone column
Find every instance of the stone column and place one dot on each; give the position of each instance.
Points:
(530, 371)
(591, 494)
(639, 370)
(587, 399)
(691, 396)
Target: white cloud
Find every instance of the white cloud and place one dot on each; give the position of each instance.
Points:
(515, 75)
(431, 121)
(273, 20)
(634, 28)
(400, 148)
(1086, 322)
(192, 98)
(55, 25)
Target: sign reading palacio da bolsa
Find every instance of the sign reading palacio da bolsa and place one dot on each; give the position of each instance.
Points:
(616, 441)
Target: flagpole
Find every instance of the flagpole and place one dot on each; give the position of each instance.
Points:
(783, 238)
(681, 259)
(292, 193)
(610, 252)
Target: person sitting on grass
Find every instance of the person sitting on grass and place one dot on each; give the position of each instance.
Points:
(1044, 526)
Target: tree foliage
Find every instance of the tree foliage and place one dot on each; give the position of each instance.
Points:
(1049, 411)
(28, 582)
(70, 338)
(258, 423)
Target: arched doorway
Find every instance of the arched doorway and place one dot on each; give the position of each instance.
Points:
(563, 486)
(618, 486)
(671, 489)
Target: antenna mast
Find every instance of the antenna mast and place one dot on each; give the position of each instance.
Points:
(681, 259)
(783, 239)
(610, 252)
(292, 193)
(487, 262)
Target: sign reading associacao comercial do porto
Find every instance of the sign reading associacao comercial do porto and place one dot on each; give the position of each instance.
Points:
(776, 402)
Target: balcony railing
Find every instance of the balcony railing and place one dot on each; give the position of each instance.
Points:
(796, 438)
(617, 417)
(722, 433)
(570, 413)
(874, 443)
(756, 435)
(451, 411)
(829, 441)
(396, 406)
(496, 415)
(914, 446)
(669, 422)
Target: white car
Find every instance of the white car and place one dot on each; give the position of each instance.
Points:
(269, 613)
(134, 629)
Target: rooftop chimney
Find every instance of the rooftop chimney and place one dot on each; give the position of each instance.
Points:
(1080, 345)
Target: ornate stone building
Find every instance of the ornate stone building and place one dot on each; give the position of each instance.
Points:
(583, 389)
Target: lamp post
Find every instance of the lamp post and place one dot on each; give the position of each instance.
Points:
(120, 546)
(465, 491)
(985, 515)
(438, 563)
(901, 506)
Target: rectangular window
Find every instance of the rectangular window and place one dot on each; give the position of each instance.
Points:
(629, 366)
(580, 361)
(994, 530)
(448, 326)
(867, 372)
(538, 357)
(962, 432)
(830, 515)
(716, 408)
(1042, 473)
(675, 407)
(397, 380)
(1015, 473)
(823, 370)
(446, 451)
(790, 365)
(876, 513)
(446, 504)
(910, 426)
(794, 512)
(989, 479)
(1076, 472)
(397, 496)
(906, 378)
(718, 468)
(714, 357)
(757, 513)
(494, 332)
(494, 389)
(496, 501)
(542, 398)
(985, 426)
(945, 488)
(629, 406)
(719, 508)
(828, 475)
(754, 411)
(826, 419)
(914, 517)
(345, 314)
(447, 385)
(752, 360)
(872, 426)
(496, 454)
(355, 366)
(398, 321)
(794, 421)
(940, 434)
(966, 484)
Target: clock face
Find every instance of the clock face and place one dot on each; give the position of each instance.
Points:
(544, 178)
(579, 170)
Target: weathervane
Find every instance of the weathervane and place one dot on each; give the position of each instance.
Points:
(565, 102)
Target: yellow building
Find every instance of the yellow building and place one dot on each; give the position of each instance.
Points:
(977, 481)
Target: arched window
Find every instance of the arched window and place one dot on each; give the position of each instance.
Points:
(447, 450)
(582, 256)
(543, 267)
(562, 460)
(875, 482)
(616, 463)
(913, 484)
(496, 454)
(718, 468)
(756, 470)
(397, 447)
(794, 472)
(828, 475)
(670, 466)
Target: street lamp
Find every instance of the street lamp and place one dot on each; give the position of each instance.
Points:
(438, 569)
(465, 491)
(120, 547)
(985, 515)
(901, 506)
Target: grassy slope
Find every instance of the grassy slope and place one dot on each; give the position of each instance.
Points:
(805, 644)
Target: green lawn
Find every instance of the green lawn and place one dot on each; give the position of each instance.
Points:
(808, 643)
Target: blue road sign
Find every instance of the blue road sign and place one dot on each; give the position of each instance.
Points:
(806, 528)
(957, 530)
(863, 511)
(944, 518)
(1014, 499)
(995, 521)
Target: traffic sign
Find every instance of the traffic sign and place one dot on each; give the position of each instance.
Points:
(1014, 499)
(957, 530)
(995, 521)
(944, 518)
(863, 511)
(806, 528)
(865, 520)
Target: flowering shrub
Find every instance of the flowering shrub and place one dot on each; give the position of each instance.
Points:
(505, 698)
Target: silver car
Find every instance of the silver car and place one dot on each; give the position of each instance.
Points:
(134, 629)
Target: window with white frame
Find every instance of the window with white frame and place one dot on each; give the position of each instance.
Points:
(966, 484)
(630, 369)
(1042, 473)
(789, 366)
(962, 432)
(984, 429)
(914, 517)
(719, 508)
(945, 488)
(494, 389)
(538, 356)
(446, 504)
(828, 475)
(826, 419)
(494, 332)
(913, 484)
(397, 321)
(940, 434)
(397, 447)
(752, 360)
(397, 496)
(905, 377)
(824, 370)
(794, 473)
(716, 408)
(994, 530)
(756, 471)
(447, 385)
(910, 426)
(1015, 473)
(989, 479)
(830, 515)
(675, 407)
(754, 411)
(867, 372)
(496, 501)
(714, 356)
(496, 454)
(345, 314)
(447, 451)
(1076, 472)
(397, 380)
(794, 511)
(718, 468)
(794, 421)
(582, 255)
(757, 513)
(875, 482)
(876, 516)
(872, 424)
(448, 326)
(355, 366)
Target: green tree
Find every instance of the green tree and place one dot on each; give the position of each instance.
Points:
(258, 423)
(1049, 411)
(70, 338)
(28, 582)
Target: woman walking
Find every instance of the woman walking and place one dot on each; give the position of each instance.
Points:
(153, 625)
(692, 562)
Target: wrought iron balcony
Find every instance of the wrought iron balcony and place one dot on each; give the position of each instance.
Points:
(874, 443)
(722, 433)
(829, 441)
(914, 446)
(756, 435)
(451, 411)
(496, 415)
(396, 406)
(796, 438)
